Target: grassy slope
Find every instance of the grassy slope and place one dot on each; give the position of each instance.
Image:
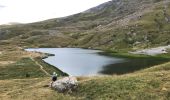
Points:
(146, 30)
(145, 86)
(16, 63)
(149, 84)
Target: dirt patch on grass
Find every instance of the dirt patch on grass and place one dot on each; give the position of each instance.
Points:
(6, 62)
(31, 54)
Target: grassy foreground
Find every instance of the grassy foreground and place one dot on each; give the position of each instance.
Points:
(149, 84)
(22, 79)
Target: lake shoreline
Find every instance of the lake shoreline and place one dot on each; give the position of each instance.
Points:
(60, 71)
(119, 55)
(47, 55)
(43, 56)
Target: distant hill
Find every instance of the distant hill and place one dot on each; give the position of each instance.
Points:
(117, 24)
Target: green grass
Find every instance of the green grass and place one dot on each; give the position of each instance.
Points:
(139, 87)
(24, 68)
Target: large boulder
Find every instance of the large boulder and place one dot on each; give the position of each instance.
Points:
(65, 84)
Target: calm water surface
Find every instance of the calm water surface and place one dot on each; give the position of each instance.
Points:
(81, 62)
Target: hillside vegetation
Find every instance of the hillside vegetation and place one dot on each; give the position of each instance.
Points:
(117, 24)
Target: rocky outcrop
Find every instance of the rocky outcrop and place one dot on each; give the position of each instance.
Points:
(65, 84)
(153, 51)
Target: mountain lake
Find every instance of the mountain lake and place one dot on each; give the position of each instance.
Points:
(85, 62)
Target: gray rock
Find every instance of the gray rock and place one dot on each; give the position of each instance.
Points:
(65, 84)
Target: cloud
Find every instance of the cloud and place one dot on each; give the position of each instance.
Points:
(27, 11)
(1, 6)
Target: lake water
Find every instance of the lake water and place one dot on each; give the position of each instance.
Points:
(83, 62)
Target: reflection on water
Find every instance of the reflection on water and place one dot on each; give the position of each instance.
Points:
(79, 62)
(131, 65)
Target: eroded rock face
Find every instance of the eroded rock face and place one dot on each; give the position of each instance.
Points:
(65, 84)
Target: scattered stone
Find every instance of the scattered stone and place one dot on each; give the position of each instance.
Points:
(153, 51)
(161, 74)
(66, 84)
(134, 34)
(164, 89)
(136, 43)
(89, 47)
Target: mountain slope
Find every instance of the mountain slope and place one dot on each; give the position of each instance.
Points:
(113, 25)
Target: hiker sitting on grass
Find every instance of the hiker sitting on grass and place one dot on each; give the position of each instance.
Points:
(54, 78)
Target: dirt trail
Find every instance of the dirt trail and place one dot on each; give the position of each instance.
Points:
(41, 67)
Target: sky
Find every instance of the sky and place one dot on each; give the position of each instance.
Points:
(27, 11)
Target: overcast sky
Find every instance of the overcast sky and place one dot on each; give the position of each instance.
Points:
(26, 11)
